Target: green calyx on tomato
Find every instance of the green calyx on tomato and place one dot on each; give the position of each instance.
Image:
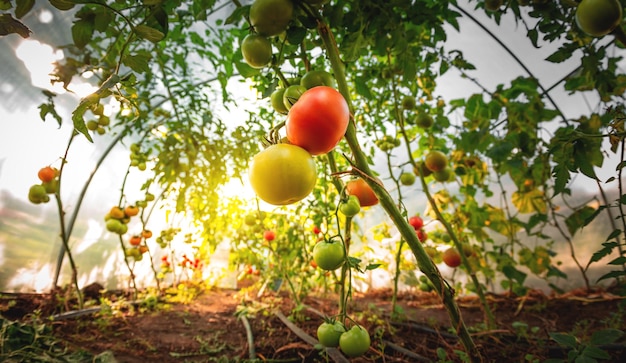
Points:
(256, 50)
(329, 333)
(355, 342)
(292, 94)
(271, 17)
(350, 207)
(317, 77)
(598, 17)
(283, 174)
(329, 255)
(319, 120)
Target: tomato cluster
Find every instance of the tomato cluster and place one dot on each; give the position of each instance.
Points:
(417, 223)
(353, 342)
(39, 193)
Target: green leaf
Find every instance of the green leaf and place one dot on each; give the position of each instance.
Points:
(138, 62)
(618, 261)
(295, 35)
(600, 254)
(78, 118)
(62, 4)
(238, 14)
(10, 25)
(612, 274)
(82, 32)
(360, 84)
(590, 354)
(372, 266)
(5, 4)
(606, 336)
(529, 202)
(148, 33)
(514, 274)
(565, 340)
(22, 7)
(579, 219)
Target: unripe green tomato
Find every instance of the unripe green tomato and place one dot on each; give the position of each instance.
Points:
(351, 207)
(271, 17)
(92, 125)
(316, 78)
(256, 50)
(598, 17)
(276, 100)
(407, 178)
(329, 255)
(408, 102)
(329, 333)
(424, 120)
(292, 94)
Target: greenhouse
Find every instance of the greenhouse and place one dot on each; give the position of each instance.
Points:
(312, 181)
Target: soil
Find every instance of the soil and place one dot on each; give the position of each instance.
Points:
(212, 326)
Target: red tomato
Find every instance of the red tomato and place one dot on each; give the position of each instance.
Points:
(416, 222)
(316, 230)
(269, 235)
(421, 235)
(363, 191)
(318, 120)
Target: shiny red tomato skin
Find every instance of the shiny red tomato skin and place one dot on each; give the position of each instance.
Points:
(318, 120)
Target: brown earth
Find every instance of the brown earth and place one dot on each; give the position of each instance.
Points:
(208, 329)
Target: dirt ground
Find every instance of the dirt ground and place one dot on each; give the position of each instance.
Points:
(210, 327)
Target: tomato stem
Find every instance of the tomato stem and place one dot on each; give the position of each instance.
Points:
(407, 231)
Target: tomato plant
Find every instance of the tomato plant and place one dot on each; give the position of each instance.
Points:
(355, 342)
(329, 255)
(318, 121)
(360, 189)
(282, 174)
(329, 333)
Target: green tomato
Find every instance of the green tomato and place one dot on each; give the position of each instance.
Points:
(329, 333)
(424, 120)
(408, 102)
(292, 95)
(329, 255)
(407, 178)
(355, 342)
(316, 78)
(271, 17)
(598, 17)
(276, 100)
(256, 50)
(443, 175)
(351, 207)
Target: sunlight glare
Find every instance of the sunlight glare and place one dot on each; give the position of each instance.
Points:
(38, 58)
(46, 16)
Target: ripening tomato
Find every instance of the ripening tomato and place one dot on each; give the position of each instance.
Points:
(282, 174)
(451, 257)
(46, 174)
(363, 191)
(318, 120)
(146, 233)
(135, 240)
(131, 210)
